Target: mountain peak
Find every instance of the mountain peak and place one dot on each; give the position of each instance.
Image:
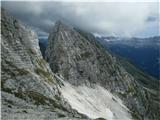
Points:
(85, 81)
(82, 61)
(61, 24)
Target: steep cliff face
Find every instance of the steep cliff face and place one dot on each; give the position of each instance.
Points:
(29, 88)
(89, 81)
(83, 62)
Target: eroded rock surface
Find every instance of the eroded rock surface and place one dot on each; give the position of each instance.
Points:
(83, 62)
(84, 82)
(29, 88)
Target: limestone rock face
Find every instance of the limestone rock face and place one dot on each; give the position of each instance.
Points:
(84, 82)
(82, 61)
(29, 88)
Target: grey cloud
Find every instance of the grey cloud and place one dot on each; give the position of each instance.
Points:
(152, 18)
(101, 18)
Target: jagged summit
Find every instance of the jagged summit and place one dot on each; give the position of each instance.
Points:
(82, 61)
(59, 22)
(59, 25)
(82, 80)
(76, 58)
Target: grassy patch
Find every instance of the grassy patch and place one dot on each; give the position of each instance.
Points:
(31, 51)
(41, 62)
(44, 74)
(130, 89)
(40, 99)
(22, 72)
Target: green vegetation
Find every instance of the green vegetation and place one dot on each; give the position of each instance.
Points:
(20, 94)
(135, 116)
(31, 51)
(130, 89)
(40, 99)
(44, 74)
(22, 72)
(86, 55)
(40, 70)
(41, 62)
(142, 78)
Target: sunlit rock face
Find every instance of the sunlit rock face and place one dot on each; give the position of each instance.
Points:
(29, 88)
(84, 62)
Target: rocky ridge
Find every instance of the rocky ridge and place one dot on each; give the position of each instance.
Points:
(29, 89)
(77, 56)
(81, 81)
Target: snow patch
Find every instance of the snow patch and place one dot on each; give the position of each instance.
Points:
(95, 102)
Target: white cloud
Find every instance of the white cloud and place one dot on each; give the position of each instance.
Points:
(122, 19)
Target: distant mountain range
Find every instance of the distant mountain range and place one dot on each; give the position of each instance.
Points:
(142, 52)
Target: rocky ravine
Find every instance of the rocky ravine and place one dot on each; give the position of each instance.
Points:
(87, 66)
(29, 89)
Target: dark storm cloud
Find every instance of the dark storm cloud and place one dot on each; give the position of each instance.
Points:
(152, 18)
(32, 14)
(100, 18)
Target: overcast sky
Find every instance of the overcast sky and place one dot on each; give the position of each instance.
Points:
(119, 19)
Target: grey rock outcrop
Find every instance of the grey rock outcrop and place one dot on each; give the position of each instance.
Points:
(29, 88)
(84, 71)
(82, 61)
